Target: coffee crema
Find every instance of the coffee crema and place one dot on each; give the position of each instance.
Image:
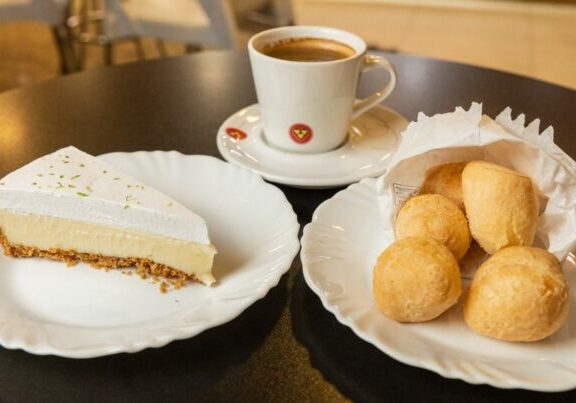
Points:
(308, 50)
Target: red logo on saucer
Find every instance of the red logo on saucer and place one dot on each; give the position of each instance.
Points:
(301, 133)
(236, 133)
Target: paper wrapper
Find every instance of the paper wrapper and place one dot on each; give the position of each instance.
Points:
(468, 135)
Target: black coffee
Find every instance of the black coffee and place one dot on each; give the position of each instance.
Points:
(308, 50)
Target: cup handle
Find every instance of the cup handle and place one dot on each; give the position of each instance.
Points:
(373, 62)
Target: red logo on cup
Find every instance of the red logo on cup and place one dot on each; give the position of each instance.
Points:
(301, 133)
(236, 133)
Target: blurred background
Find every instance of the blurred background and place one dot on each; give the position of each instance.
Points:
(42, 39)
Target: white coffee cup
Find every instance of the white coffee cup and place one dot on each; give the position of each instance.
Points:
(307, 106)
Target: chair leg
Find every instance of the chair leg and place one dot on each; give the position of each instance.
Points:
(83, 26)
(191, 48)
(62, 52)
(139, 48)
(108, 50)
(161, 46)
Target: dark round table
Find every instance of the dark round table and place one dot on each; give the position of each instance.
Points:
(285, 347)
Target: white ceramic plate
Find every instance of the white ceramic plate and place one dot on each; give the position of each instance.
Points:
(372, 138)
(339, 249)
(80, 312)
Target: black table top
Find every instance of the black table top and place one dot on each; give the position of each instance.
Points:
(285, 347)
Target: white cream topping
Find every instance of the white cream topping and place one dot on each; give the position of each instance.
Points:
(72, 184)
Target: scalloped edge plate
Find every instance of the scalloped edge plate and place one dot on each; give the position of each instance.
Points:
(339, 249)
(79, 312)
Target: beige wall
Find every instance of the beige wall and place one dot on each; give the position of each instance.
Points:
(527, 38)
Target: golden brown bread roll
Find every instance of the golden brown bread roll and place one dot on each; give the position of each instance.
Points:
(445, 180)
(501, 206)
(434, 216)
(415, 280)
(519, 294)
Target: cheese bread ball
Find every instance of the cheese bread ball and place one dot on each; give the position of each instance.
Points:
(434, 216)
(501, 206)
(518, 294)
(445, 180)
(415, 280)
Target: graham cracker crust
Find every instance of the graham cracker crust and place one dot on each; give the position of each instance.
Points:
(145, 268)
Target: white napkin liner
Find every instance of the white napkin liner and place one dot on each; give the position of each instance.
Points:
(465, 135)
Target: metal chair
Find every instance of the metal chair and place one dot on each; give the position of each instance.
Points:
(199, 23)
(208, 23)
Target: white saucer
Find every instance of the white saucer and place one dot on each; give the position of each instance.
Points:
(371, 140)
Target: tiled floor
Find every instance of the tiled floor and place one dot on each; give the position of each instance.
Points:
(527, 38)
(26, 58)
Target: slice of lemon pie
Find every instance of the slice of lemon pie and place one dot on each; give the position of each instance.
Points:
(71, 206)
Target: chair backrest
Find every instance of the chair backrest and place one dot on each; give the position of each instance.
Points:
(125, 19)
(51, 12)
(222, 21)
(116, 22)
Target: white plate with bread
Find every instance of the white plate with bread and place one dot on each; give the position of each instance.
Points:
(463, 268)
(339, 250)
